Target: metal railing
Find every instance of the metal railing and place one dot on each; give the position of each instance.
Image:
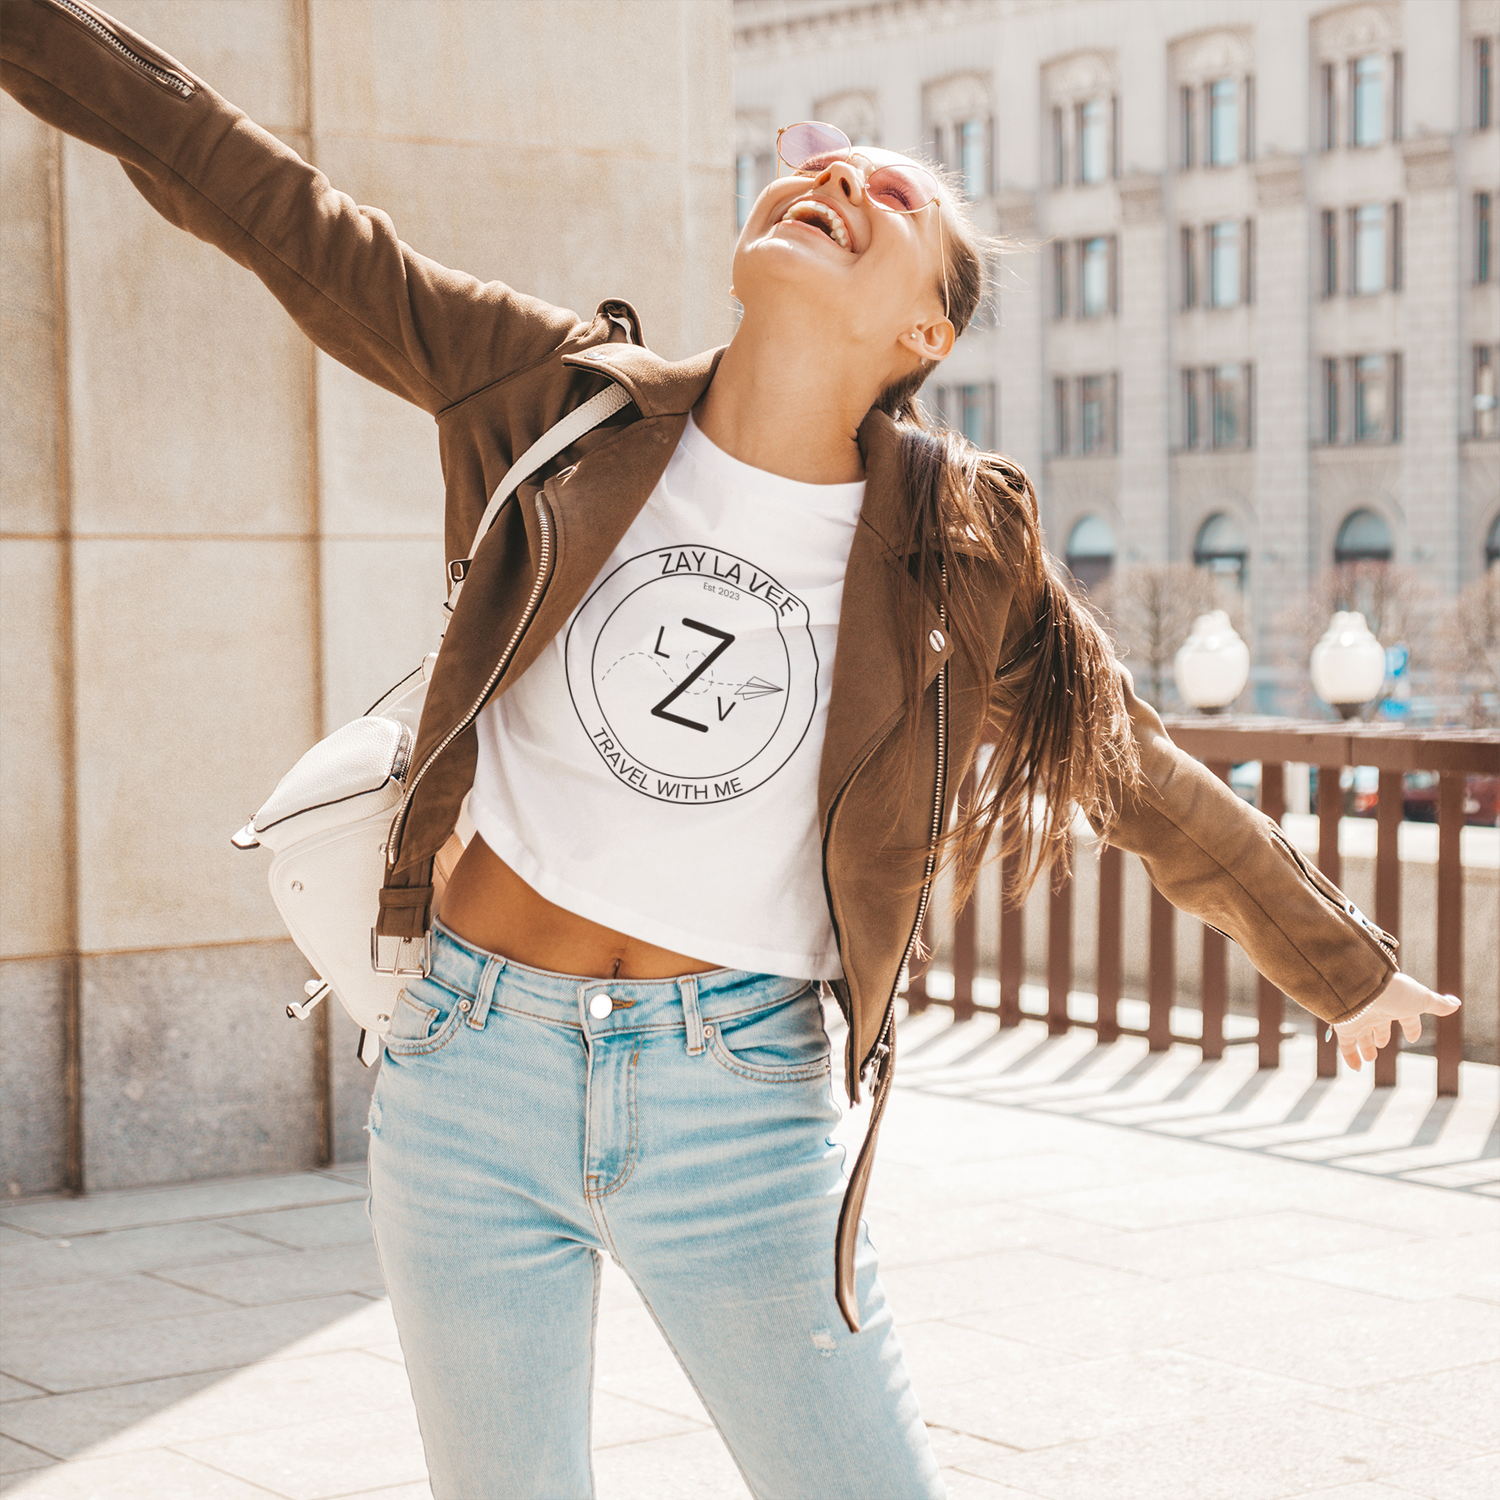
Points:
(1221, 743)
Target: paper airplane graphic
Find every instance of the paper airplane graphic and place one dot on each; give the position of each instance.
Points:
(755, 688)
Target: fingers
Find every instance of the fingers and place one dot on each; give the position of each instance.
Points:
(1411, 1028)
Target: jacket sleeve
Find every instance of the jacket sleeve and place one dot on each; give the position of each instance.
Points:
(1212, 854)
(427, 333)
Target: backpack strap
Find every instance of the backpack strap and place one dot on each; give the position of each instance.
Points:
(561, 435)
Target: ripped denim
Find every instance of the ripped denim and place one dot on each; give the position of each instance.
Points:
(524, 1123)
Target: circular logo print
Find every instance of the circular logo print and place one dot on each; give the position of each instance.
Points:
(693, 673)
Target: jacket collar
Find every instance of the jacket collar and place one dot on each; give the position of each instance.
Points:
(659, 387)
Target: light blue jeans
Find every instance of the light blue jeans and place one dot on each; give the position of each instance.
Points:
(521, 1126)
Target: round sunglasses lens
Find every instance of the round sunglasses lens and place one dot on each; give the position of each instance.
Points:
(802, 145)
(904, 189)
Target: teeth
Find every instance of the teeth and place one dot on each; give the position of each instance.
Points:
(808, 209)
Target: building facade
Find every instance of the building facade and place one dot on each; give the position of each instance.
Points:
(1250, 313)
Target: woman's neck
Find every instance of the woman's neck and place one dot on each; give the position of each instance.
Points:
(780, 402)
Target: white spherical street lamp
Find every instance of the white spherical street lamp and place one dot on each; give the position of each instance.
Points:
(1213, 665)
(1348, 664)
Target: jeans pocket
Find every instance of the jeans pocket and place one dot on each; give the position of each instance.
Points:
(426, 1018)
(783, 1044)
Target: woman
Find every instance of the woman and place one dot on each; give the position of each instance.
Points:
(711, 689)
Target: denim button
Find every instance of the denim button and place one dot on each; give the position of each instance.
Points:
(600, 1006)
(465, 1006)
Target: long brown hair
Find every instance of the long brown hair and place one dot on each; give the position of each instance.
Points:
(1064, 739)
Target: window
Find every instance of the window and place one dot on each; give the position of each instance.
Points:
(1223, 550)
(1223, 123)
(1328, 135)
(1375, 381)
(1398, 94)
(1249, 119)
(751, 173)
(1484, 236)
(1059, 148)
(1059, 279)
(973, 156)
(1364, 537)
(1367, 100)
(1061, 435)
(1492, 544)
(975, 410)
(1484, 83)
(1367, 223)
(1090, 553)
(1330, 257)
(1332, 430)
(1486, 424)
(1189, 251)
(1185, 126)
(1192, 433)
(1395, 248)
(1093, 147)
(1096, 276)
(1224, 274)
(1231, 405)
(1094, 425)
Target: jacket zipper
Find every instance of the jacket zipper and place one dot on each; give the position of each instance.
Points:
(174, 81)
(538, 587)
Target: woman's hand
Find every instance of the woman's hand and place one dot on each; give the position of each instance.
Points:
(1404, 1002)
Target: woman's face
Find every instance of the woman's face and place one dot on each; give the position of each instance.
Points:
(848, 266)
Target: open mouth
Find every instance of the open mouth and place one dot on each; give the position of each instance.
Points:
(817, 214)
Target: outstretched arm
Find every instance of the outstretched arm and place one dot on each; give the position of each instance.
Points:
(427, 333)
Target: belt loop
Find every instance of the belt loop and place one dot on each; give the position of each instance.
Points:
(489, 980)
(692, 1016)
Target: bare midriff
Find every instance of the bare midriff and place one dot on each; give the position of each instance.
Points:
(488, 905)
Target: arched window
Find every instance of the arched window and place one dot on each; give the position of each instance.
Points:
(1492, 544)
(1223, 549)
(1090, 554)
(1364, 537)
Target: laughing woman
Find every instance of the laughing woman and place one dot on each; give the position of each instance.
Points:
(711, 689)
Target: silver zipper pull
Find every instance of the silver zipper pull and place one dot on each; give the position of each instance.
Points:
(317, 991)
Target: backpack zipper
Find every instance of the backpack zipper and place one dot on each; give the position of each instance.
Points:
(538, 588)
(174, 81)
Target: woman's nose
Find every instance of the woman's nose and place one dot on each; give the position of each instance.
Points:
(846, 178)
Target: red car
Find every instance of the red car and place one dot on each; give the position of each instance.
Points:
(1419, 801)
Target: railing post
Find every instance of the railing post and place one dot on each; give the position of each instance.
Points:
(1270, 1004)
(1214, 977)
(916, 982)
(1330, 811)
(1111, 924)
(965, 943)
(1161, 979)
(1012, 945)
(1389, 806)
(1060, 947)
(1450, 926)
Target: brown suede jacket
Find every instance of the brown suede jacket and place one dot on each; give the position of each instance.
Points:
(496, 369)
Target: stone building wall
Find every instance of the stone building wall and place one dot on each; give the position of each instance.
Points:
(217, 544)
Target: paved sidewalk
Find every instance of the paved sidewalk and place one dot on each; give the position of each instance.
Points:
(1118, 1275)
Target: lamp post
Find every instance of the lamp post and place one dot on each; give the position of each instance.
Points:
(1213, 665)
(1348, 664)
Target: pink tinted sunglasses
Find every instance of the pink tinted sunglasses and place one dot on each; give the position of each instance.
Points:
(810, 147)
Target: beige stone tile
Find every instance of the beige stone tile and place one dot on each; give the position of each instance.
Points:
(1004, 1279)
(1462, 1481)
(314, 1228)
(422, 1491)
(1240, 1243)
(191, 1067)
(18, 1458)
(907, 1228)
(179, 1346)
(1360, 1491)
(188, 384)
(158, 1475)
(175, 1205)
(61, 1311)
(34, 745)
(1362, 1348)
(382, 612)
(379, 472)
(1464, 1401)
(33, 1018)
(31, 458)
(1241, 1189)
(1259, 1452)
(1420, 1271)
(1406, 1206)
(369, 1326)
(309, 1460)
(1225, 1311)
(694, 1466)
(251, 52)
(217, 637)
(939, 1183)
(12, 1389)
(962, 1486)
(264, 1397)
(618, 1419)
(940, 1353)
(1095, 1398)
(46, 1262)
(288, 1276)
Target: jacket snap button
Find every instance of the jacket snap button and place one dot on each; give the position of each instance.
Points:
(936, 641)
(600, 1006)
